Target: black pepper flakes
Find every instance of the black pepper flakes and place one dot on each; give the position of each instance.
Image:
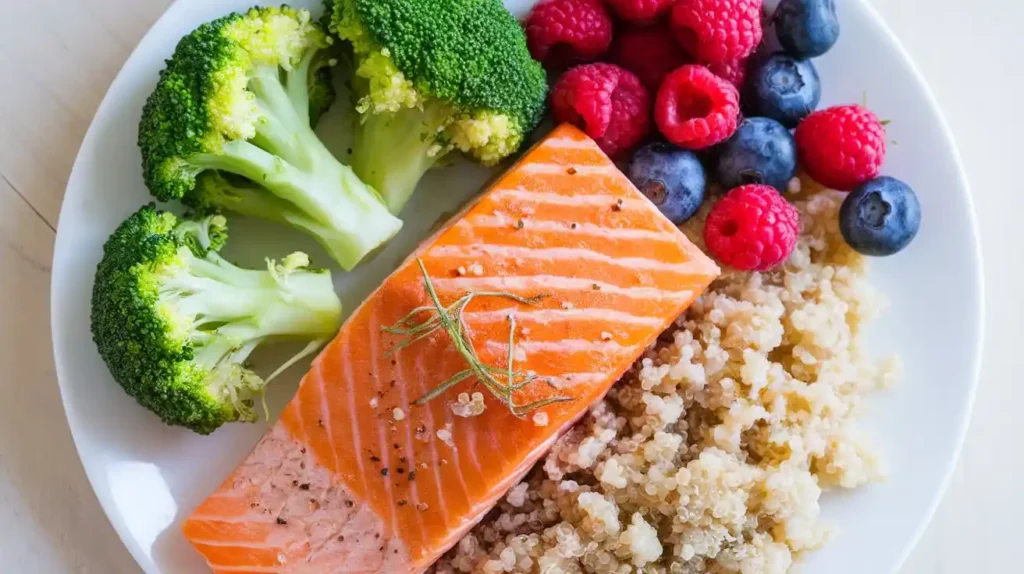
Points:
(617, 206)
(374, 459)
(395, 446)
(320, 423)
(402, 459)
(376, 535)
(302, 450)
(383, 472)
(412, 475)
(304, 486)
(349, 503)
(574, 226)
(341, 538)
(520, 224)
(571, 171)
(401, 470)
(403, 502)
(281, 521)
(596, 287)
(295, 483)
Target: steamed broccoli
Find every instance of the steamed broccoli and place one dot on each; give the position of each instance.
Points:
(430, 76)
(176, 323)
(238, 97)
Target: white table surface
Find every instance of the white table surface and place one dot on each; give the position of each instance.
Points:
(57, 58)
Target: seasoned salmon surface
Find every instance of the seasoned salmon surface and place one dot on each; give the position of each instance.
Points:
(357, 478)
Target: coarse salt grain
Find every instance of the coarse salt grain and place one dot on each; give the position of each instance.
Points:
(468, 406)
(476, 269)
(373, 402)
(461, 270)
(398, 414)
(540, 419)
(445, 435)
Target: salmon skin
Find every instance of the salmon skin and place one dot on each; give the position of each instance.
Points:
(357, 478)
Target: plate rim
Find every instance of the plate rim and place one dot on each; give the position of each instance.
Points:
(62, 240)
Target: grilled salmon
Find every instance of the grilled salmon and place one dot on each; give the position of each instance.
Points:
(562, 268)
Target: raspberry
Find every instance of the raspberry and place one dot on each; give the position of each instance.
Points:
(650, 52)
(640, 11)
(560, 33)
(752, 228)
(696, 109)
(608, 102)
(718, 31)
(841, 147)
(733, 72)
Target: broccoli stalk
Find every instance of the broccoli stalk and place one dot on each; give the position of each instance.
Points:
(433, 76)
(398, 171)
(236, 98)
(176, 322)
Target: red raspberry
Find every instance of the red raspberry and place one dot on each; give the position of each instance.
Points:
(718, 31)
(733, 72)
(695, 108)
(562, 32)
(841, 147)
(640, 11)
(650, 52)
(608, 102)
(752, 228)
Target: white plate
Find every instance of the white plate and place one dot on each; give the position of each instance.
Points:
(148, 476)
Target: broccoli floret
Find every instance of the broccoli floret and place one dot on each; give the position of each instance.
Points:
(239, 96)
(432, 76)
(175, 322)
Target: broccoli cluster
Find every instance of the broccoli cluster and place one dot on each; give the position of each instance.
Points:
(432, 76)
(235, 99)
(229, 128)
(175, 322)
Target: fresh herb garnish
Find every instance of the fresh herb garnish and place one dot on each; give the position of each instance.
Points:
(501, 383)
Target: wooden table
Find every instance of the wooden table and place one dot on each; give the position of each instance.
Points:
(57, 58)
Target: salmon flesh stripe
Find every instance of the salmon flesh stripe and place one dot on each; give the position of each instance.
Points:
(355, 477)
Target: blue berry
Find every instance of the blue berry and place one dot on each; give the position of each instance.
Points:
(671, 177)
(761, 151)
(807, 28)
(783, 89)
(880, 217)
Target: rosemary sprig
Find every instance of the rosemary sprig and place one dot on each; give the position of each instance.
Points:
(501, 383)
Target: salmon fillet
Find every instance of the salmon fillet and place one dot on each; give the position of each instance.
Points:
(356, 478)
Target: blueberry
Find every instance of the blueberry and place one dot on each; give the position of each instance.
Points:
(807, 28)
(784, 89)
(880, 217)
(761, 151)
(671, 177)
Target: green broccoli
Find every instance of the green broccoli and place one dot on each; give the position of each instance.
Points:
(238, 97)
(175, 322)
(431, 76)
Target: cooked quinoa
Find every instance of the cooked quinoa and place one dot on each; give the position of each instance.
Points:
(711, 455)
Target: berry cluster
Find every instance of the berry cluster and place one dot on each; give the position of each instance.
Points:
(727, 109)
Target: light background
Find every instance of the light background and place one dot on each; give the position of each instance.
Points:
(57, 58)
